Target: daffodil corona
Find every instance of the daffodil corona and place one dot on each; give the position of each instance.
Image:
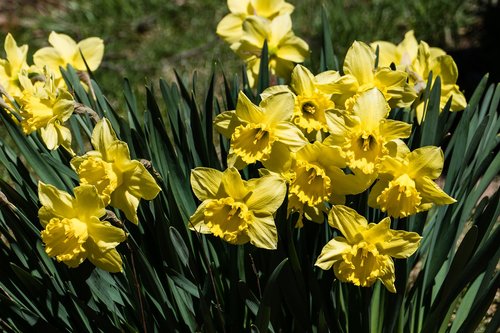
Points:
(364, 254)
(236, 210)
(73, 231)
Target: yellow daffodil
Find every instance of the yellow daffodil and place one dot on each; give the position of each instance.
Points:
(73, 231)
(66, 51)
(121, 182)
(363, 134)
(46, 108)
(406, 184)
(284, 48)
(230, 28)
(315, 177)
(311, 102)
(13, 65)
(442, 66)
(401, 55)
(364, 254)
(236, 210)
(256, 130)
(361, 75)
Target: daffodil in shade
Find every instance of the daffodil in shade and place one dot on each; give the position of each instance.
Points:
(256, 130)
(315, 178)
(120, 181)
(236, 210)
(443, 66)
(45, 108)
(311, 102)
(405, 186)
(14, 63)
(364, 254)
(65, 51)
(73, 231)
(363, 134)
(361, 75)
(230, 28)
(284, 48)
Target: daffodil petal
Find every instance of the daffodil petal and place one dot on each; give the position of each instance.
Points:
(267, 195)
(332, 252)
(360, 62)
(109, 260)
(103, 135)
(92, 50)
(347, 221)
(205, 182)
(279, 107)
(122, 199)
(232, 185)
(432, 193)
(59, 203)
(87, 202)
(64, 44)
(197, 222)
(426, 161)
(104, 235)
(262, 232)
(402, 244)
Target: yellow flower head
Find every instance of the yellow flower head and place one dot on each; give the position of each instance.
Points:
(361, 75)
(406, 184)
(364, 255)
(317, 178)
(13, 65)
(46, 108)
(230, 28)
(401, 55)
(256, 130)
(236, 210)
(73, 231)
(284, 48)
(121, 182)
(363, 134)
(65, 51)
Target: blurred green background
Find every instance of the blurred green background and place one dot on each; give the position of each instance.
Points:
(148, 39)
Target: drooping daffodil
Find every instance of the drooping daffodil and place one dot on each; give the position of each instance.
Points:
(236, 210)
(65, 51)
(405, 186)
(364, 253)
(230, 28)
(284, 48)
(255, 130)
(73, 230)
(121, 182)
(45, 108)
(362, 135)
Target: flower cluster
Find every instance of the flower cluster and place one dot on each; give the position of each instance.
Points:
(38, 91)
(253, 22)
(327, 136)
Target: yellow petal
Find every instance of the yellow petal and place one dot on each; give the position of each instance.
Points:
(122, 199)
(102, 136)
(402, 244)
(262, 232)
(268, 193)
(332, 252)
(87, 202)
(233, 185)
(360, 62)
(92, 50)
(140, 182)
(205, 182)
(376, 191)
(273, 90)
(387, 53)
(238, 6)
(426, 161)
(59, 203)
(50, 136)
(278, 107)
(392, 129)
(293, 48)
(347, 221)
(230, 28)
(247, 111)
(371, 107)
(197, 222)
(302, 81)
(280, 26)
(432, 193)
(388, 275)
(226, 122)
(290, 135)
(109, 260)
(105, 235)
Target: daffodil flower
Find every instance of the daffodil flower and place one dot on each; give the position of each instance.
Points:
(13, 65)
(65, 51)
(361, 75)
(230, 28)
(236, 210)
(256, 130)
(364, 254)
(121, 182)
(362, 135)
(315, 178)
(442, 66)
(311, 102)
(72, 229)
(284, 48)
(401, 55)
(46, 108)
(406, 184)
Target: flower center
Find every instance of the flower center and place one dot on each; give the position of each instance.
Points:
(364, 152)
(361, 265)
(309, 107)
(252, 142)
(311, 184)
(400, 198)
(309, 113)
(227, 219)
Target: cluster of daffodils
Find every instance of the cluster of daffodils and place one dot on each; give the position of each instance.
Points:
(74, 230)
(36, 94)
(321, 138)
(253, 22)
(75, 227)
